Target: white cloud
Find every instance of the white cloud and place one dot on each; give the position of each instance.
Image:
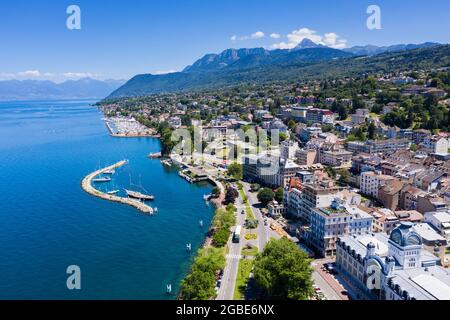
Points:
(78, 75)
(275, 36)
(257, 35)
(330, 39)
(29, 73)
(253, 36)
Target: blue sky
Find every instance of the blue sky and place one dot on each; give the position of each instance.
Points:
(119, 39)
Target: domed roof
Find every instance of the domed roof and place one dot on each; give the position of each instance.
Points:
(404, 236)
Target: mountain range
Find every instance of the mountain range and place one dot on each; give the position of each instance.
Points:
(307, 60)
(371, 50)
(85, 88)
(239, 66)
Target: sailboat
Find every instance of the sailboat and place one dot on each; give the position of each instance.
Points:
(113, 192)
(139, 195)
(102, 180)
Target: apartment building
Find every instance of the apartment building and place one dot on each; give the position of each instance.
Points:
(370, 182)
(378, 146)
(317, 195)
(328, 224)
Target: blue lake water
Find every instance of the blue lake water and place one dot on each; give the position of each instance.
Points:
(47, 222)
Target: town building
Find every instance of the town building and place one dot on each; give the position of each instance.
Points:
(440, 220)
(336, 157)
(389, 194)
(288, 149)
(276, 209)
(360, 116)
(306, 157)
(370, 182)
(327, 224)
(385, 220)
(377, 146)
(292, 197)
(394, 267)
(430, 203)
(433, 242)
(317, 195)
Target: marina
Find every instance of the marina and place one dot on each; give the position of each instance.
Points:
(86, 184)
(127, 128)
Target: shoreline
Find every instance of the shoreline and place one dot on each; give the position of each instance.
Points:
(134, 135)
(86, 185)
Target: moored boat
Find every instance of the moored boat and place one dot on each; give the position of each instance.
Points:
(155, 155)
(139, 196)
(102, 180)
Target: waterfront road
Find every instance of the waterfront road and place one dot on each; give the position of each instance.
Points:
(226, 290)
(264, 233)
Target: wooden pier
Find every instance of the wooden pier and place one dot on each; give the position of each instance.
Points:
(86, 184)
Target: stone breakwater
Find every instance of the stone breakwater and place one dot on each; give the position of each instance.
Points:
(86, 184)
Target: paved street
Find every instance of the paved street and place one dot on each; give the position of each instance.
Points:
(226, 290)
(264, 233)
(327, 290)
(330, 286)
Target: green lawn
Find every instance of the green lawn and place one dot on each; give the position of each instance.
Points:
(248, 209)
(253, 251)
(244, 270)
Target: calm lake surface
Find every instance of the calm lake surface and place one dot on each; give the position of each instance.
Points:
(47, 222)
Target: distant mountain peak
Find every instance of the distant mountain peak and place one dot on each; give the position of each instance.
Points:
(308, 44)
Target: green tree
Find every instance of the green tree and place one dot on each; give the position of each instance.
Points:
(224, 218)
(235, 171)
(231, 195)
(283, 271)
(265, 196)
(371, 131)
(345, 177)
(342, 111)
(220, 237)
(255, 187)
(200, 283)
(291, 124)
(279, 194)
